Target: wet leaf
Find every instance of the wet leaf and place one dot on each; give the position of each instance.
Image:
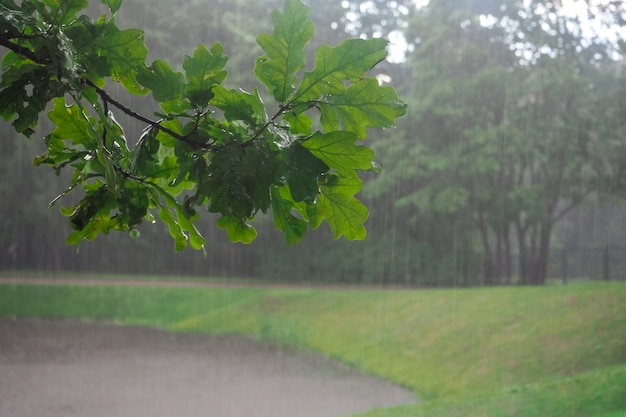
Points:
(71, 123)
(239, 105)
(364, 104)
(180, 239)
(292, 227)
(301, 170)
(126, 53)
(338, 151)
(336, 204)
(238, 230)
(165, 83)
(349, 61)
(204, 70)
(284, 49)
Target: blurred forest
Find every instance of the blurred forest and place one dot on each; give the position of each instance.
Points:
(509, 168)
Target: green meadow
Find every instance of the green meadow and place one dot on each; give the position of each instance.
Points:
(557, 351)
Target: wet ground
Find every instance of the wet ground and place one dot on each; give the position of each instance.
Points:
(51, 368)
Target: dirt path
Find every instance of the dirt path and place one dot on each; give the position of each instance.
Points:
(190, 283)
(51, 368)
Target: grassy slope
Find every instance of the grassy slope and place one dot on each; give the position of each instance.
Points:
(557, 350)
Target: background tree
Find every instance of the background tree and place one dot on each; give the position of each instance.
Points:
(502, 135)
(424, 224)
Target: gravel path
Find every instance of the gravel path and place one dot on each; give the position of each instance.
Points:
(51, 368)
(95, 282)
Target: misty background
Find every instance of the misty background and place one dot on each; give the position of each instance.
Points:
(509, 167)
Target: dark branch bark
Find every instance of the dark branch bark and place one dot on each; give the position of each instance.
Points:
(18, 49)
(6, 42)
(129, 112)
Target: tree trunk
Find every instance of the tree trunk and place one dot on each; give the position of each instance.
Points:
(497, 271)
(487, 261)
(543, 254)
(522, 252)
(534, 249)
(508, 263)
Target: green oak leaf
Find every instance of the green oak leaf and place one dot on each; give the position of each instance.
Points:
(101, 223)
(195, 238)
(133, 203)
(285, 49)
(114, 5)
(95, 203)
(238, 230)
(184, 221)
(115, 133)
(25, 90)
(145, 161)
(111, 175)
(12, 101)
(363, 104)
(83, 33)
(338, 151)
(167, 140)
(167, 172)
(189, 160)
(300, 170)
(204, 70)
(165, 83)
(61, 12)
(15, 62)
(125, 51)
(12, 17)
(225, 186)
(72, 123)
(258, 172)
(238, 179)
(350, 60)
(175, 107)
(68, 52)
(180, 239)
(292, 227)
(299, 123)
(336, 204)
(239, 105)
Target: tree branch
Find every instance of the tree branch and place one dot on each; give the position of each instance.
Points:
(104, 95)
(18, 49)
(129, 112)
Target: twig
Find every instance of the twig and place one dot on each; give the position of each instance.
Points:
(19, 49)
(104, 96)
(108, 99)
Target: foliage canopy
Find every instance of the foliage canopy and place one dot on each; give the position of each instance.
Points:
(513, 126)
(210, 146)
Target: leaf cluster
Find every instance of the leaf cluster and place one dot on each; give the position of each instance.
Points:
(208, 146)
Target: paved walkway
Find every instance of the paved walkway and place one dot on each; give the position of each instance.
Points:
(192, 284)
(54, 368)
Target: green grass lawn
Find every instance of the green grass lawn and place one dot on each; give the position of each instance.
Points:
(549, 351)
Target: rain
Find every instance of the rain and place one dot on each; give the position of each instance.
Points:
(491, 280)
